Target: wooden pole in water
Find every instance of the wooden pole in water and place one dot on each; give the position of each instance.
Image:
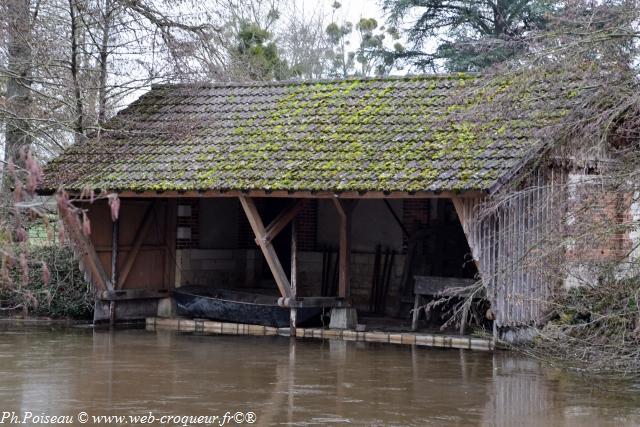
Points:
(115, 231)
(294, 274)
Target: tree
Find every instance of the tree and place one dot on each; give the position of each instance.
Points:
(342, 60)
(370, 54)
(258, 55)
(304, 44)
(471, 35)
(18, 137)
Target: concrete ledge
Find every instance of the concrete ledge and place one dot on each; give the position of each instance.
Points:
(210, 327)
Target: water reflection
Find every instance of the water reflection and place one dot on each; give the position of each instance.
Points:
(292, 382)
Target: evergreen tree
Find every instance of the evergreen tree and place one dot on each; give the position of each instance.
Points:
(470, 34)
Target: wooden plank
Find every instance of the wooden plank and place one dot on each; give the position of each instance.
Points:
(324, 302)
(132, 294)
(268, 251)
(141, 234)
(88, 257)
(282, 220)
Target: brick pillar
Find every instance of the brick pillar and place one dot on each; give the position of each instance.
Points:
(307, 226)
(188, 233)
(415, 215)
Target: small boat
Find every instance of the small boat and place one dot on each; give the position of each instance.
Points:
(196, 301)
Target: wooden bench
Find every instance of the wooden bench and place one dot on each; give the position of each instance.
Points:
(433, 286)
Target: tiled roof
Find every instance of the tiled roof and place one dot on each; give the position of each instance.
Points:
(424, 133)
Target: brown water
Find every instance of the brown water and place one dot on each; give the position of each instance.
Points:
(134, 372)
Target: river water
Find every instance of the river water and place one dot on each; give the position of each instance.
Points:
(64, 371)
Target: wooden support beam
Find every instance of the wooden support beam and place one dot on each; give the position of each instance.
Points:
(294, 277)
(114, 266)
(345, 209)
(282, 220)
(141, 234)
(85, 251)
(267, 248)
(300, 194)
(115, 236)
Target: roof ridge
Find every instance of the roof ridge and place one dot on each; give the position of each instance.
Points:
(309, 82)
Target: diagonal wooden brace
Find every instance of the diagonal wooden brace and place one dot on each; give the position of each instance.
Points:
(265, 245)
(141, 234)
(85, 251)
(282, 220)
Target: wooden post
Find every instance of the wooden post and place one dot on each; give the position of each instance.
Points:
(294, 274)
(345, 208)
(265, 245)
(114, 266)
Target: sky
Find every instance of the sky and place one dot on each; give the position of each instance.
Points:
(351, 9)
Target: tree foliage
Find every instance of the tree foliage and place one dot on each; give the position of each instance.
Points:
(259, 54)
(370, 56)
(468, 35)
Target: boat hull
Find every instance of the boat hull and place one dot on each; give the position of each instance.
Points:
(239, 307)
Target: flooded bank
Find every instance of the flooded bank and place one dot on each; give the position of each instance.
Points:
(61, 371)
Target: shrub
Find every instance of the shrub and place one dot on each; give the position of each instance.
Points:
(67, 295)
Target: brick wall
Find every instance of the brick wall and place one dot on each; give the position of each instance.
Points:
(223, 268)
(307, 226)
(415, 214)
(188, 232)
(596, 222)
(310, 266)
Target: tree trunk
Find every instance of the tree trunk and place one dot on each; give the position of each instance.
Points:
(104, 57)
(18, 135)
(77, 93)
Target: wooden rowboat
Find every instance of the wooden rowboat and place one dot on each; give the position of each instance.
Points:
(227, 305)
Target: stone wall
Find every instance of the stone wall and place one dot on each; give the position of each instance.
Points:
(226, 268)
(362, 267)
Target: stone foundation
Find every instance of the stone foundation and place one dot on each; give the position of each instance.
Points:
(210, 327)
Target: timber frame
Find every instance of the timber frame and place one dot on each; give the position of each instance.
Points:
(111, 288)
(489, 249)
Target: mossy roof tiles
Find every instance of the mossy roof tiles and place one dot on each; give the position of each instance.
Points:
(424, 133)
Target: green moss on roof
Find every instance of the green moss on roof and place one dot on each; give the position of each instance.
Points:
(415, 133)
